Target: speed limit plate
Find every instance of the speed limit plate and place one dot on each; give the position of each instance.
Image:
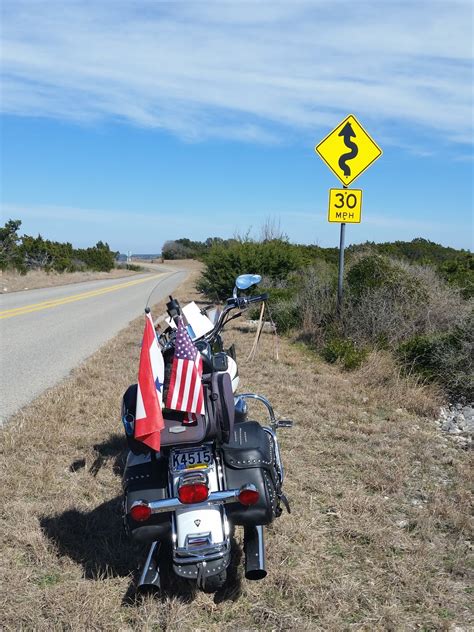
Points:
(345, 205)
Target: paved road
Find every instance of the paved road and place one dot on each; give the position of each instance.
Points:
(45, 333)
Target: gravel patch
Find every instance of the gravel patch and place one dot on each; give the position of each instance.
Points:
(458, 421)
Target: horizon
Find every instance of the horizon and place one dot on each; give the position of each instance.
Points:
(138, 123)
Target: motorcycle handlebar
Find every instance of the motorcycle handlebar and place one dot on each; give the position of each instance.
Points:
(257, 299)
(240, 302)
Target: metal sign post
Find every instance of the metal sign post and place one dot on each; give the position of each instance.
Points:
(341, 268)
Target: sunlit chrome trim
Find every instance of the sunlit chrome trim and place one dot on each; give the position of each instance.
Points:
(279, 462)
(215, 498)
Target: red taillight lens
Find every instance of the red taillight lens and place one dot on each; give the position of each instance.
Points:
(248, 496)
(193, 493)
(140, 513)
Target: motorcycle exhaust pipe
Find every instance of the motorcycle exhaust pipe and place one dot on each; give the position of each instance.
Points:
(150, 575)
(254, 549)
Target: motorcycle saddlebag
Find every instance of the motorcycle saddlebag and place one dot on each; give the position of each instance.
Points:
(249, 457)
(146, 478)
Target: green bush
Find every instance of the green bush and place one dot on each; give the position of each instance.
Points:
(10, 256)
(344, 351)
(388, 301)
(285, 314)
(130, 266)
(275, 259)
(38, 253)
(99, 258)
(374, 271)
(446, 358)
(459, 271)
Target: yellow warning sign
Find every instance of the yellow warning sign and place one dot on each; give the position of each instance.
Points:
(345, 205)
(348, 150)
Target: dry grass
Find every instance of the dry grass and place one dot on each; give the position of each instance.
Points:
(378, 538)
(12, 281)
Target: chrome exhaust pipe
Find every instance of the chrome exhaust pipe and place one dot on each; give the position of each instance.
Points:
(254, 548)
(150, 575)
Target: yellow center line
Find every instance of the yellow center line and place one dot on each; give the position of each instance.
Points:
(36, 307)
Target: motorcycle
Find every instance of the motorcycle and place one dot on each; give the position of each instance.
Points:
(216, 472)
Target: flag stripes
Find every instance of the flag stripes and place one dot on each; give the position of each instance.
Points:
(185, 391)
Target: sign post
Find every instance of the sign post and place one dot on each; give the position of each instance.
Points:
(341, 267)
(348, 151)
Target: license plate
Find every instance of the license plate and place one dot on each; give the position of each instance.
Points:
(191, 458)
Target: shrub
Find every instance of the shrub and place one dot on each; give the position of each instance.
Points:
(459, 271)
(285, 315)
(276, 259)
(38, 253)
(99, 258)
(317, 299)
(344, 351)
(388, 301)
(372, 271)
(175, 250)
(131, 266)
(446, 358)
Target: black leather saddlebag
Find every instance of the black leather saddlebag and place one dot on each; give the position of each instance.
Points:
(146, 478)
(249, 457)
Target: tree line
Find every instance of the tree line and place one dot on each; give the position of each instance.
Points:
(274, 255)
(24, 253)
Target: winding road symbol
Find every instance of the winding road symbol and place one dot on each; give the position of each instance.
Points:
(348, 150)
(347, 133)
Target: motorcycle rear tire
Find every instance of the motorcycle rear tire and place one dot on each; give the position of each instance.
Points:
(215, 582)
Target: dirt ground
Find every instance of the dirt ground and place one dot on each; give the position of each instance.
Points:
(379, 537)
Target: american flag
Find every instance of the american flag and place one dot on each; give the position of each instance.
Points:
(185, 390)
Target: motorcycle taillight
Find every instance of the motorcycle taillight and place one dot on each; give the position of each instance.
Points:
(140, 511)
(193, 493)
(248, 495)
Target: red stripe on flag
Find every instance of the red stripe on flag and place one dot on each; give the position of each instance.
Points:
(172, 384)
(192, 387)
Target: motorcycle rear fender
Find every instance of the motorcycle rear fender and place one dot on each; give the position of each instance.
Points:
(199, 529)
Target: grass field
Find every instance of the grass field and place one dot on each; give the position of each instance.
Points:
(378, 538)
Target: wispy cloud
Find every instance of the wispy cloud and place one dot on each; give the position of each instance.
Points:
(257, 71)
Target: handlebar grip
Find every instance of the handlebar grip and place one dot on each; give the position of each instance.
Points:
(257, 299)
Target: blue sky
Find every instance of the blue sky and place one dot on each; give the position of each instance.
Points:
(137, 122)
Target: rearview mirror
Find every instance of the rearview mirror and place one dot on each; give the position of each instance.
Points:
(244, 281)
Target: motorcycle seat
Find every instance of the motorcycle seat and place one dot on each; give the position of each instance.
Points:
(216, 423)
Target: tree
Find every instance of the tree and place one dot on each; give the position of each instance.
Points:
(9, 252)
